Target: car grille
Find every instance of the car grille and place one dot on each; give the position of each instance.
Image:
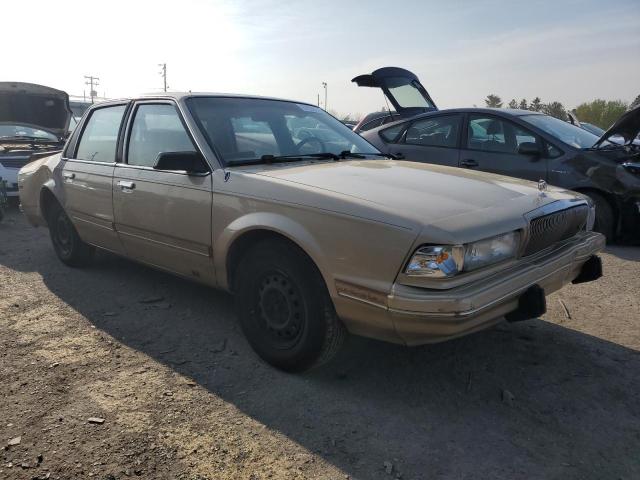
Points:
(14, 162)
(555, 227)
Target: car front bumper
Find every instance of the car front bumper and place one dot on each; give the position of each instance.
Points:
(415, 316)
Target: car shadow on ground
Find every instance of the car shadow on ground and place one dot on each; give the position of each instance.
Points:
(526, 400)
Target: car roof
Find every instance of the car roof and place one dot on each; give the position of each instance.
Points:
(182, 95)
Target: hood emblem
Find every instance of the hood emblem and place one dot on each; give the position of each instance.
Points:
(542, 186)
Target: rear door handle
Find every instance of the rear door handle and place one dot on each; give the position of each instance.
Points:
(469, 163)
(126, 185)
(69, 175)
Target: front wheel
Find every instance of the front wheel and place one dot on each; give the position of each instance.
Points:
(67, 244)
(284, 308)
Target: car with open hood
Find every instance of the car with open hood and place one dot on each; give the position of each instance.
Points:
(34, 120)
(518, 143)
(314, 231)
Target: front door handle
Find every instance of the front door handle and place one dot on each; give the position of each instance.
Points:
(469, 163)
(126, 185)
(69, 175)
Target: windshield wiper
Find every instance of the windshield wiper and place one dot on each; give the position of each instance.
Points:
(268, 159)
(28, 138)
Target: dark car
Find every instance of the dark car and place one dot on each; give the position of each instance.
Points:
(528, 145)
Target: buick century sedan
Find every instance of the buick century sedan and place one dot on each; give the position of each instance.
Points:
(313, 230)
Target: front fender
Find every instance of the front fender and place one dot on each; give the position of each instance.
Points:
(270, 221)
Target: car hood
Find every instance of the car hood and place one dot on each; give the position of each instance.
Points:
(35, 106)
(627, 127)
(415, 194)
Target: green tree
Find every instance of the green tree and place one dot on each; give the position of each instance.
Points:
(493, 101)
(513, 103)
(555, 109)
(601, 112)
(523, 104)
(635, 103)
(536, 105)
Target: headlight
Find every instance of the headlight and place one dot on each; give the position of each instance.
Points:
(442, 261)
(491, 250)
(436, 261)
(632, 167)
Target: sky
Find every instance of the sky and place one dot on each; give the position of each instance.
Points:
(565, 50)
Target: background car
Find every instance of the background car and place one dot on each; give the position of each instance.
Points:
(529, 145)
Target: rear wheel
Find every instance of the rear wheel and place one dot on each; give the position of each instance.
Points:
(284, 308)
(605, 217)
(66, 242)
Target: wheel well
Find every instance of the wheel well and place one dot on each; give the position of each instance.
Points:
(47, 199)
(248, 240)
(607, 196)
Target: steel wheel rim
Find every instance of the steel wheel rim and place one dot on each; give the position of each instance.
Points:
(280, 310)
(64, 235)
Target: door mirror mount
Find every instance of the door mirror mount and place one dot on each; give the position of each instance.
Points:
(191, 162)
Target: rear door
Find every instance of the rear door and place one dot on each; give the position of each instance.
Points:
(163, 217)
(491, 145)
(434, 139)
(86, 177)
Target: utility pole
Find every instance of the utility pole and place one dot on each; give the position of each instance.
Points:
(318, 99)
(92, 82)
(324, 84)
(163, 72)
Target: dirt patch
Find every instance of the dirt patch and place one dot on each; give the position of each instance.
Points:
(184, 397)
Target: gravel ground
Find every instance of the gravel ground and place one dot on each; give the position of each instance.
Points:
(178, 394)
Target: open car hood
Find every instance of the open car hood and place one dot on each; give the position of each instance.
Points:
(401, 87)
(35, 106)
(627, 127)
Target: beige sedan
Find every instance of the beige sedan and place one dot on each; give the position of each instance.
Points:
(314, 231)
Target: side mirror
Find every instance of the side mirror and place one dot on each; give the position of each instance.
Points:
(191, 162)
(529, 148)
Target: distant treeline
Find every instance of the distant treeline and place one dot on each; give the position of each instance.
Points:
(598, 112)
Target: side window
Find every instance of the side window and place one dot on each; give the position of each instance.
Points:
(100, 136)
(156, 129)
(523, 136)
(493, 134)
(439, 131)
(390, 134)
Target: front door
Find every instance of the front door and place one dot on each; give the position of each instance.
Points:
(433, 139)
(492, 145)
(163, 217)
(86, 177)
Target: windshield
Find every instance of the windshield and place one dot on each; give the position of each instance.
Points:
(563, 131)
(593, 129)
(241, 129)
(24, 131)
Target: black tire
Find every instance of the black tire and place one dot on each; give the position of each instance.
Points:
(67, 244)
(284, 308)
(605, 217)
